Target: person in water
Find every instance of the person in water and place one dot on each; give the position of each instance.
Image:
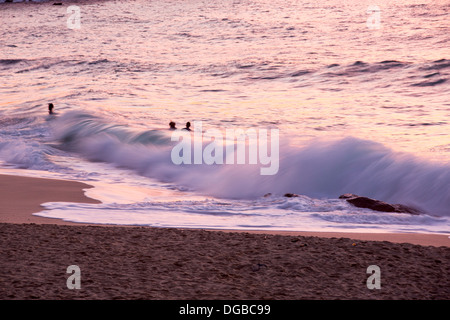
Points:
(50, 108)
(188, 126)
(172, 125)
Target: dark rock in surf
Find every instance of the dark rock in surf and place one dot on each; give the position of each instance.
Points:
(290, 195)
(364, 202)
(401, 208)
(377, 205)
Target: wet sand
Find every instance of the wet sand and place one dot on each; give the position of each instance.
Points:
(22, 196)
(161, 263)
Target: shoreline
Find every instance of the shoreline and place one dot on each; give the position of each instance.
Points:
(22, 196)
(150, 263)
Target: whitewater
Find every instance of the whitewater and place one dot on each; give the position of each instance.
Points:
(359, 110)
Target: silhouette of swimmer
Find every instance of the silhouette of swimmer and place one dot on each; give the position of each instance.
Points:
(172, 125)
(50, 108)
(188, 125)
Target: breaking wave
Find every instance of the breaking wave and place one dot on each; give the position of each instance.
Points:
(320, 169)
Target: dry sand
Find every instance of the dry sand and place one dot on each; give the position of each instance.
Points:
(153, 263)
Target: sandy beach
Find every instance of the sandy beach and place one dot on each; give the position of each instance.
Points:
(157, 263)
(21, 196)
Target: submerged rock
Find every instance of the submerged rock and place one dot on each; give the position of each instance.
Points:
(290, 195)
(377, 205)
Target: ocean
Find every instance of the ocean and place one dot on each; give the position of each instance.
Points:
(358, 92)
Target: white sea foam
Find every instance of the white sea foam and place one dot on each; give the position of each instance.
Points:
(130, 168)
(261, 214)
(320, 169)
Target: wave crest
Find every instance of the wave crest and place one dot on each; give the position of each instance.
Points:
(321, 169)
